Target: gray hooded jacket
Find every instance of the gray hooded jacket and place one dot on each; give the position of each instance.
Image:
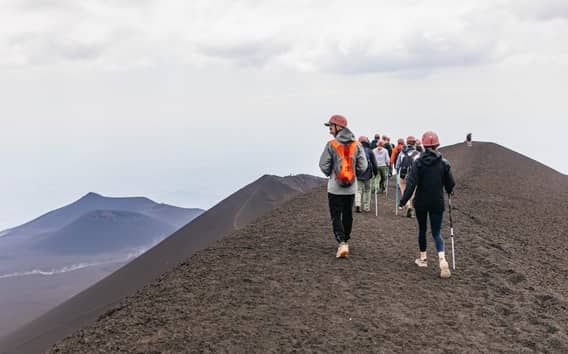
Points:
(329, 159)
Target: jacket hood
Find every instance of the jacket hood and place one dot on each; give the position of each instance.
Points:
(345, 136)
(430, 156)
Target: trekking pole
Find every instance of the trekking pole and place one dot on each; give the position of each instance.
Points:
(396, 196)
(387, 192)
(452, 232)
(376, 203)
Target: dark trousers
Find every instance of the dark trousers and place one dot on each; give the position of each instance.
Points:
(435, 225)
(341, 210)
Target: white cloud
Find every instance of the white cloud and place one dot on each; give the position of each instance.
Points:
(364, 37)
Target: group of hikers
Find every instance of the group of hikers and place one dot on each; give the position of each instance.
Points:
(358, 167)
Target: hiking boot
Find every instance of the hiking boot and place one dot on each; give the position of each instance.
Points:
(421, 262)
(342, 250)
(444, 269)
(358, 209)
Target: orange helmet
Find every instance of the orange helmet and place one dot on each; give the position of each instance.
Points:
(430, 139)
(338, 120)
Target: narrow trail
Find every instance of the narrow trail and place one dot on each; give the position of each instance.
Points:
(276, 285)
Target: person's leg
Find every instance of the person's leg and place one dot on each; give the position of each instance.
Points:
(366, 195)
(335, 210)
(358, 195)
(383, 173)
(421, 216)
(436, 225)
(347, 215)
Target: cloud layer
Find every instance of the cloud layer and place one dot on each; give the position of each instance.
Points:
(321, 36)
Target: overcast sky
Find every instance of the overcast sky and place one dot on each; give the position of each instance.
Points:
(186, 101)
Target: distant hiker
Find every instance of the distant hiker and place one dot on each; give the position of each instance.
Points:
(419, 147)
(429, 177)
(375, 140)
(383, 161)
(403, 166)
(468, 139)
(365, 179)
(396, 150)
(342, 158)
(387, 145)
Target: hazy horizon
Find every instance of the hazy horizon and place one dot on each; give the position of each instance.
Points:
(184, 103)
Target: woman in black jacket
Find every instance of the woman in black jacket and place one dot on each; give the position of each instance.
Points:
(430, 175)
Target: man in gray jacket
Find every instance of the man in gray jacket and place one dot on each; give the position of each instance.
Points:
(342, 159)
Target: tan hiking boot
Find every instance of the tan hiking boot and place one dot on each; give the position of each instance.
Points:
(423, 263)
(444, 269)
(342, 250)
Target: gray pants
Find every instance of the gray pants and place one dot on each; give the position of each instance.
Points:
(380, 180)
(364, 194)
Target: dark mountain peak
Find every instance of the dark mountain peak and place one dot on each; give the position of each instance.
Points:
(92, 195)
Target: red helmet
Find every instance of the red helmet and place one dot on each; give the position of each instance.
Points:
(400, 141)
(430, 139)
(363, 139)
(338, 120)
(410, 139)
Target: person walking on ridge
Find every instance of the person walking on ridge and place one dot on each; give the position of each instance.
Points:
(382, 157)
(387, 145)
(468, 139)
(396, 150)
(375, 140)
(430, 175)
(342, 159)
(365, 179)
(404, 164)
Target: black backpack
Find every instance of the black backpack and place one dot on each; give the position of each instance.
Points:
(406, 163)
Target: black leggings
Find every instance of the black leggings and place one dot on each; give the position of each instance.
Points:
(435, 224)
(341, 210)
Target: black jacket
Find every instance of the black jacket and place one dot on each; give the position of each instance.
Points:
(389, 148)
(429, 175)
(373, 166)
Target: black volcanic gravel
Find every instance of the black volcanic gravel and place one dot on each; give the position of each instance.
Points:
(275, 285)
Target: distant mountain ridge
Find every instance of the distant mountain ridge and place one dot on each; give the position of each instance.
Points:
(103, 231)
(58, 218)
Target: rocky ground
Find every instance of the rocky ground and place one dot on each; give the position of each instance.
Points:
(276, 286)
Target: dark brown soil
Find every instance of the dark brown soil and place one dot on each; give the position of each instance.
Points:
(275, 285)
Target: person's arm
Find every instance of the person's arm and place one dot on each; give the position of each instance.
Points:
(449, 182)
(361, 160)
(326, 161)
(387, 159)
(411, 183)
(374, 164)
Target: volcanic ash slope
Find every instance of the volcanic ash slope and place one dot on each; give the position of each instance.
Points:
(275, 285)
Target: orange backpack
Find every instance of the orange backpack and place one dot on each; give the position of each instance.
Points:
(344, 169)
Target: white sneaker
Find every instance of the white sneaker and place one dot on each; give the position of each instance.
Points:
(421, 262)
(342, 250)
(444, 269)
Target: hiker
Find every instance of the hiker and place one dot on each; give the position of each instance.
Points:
(429, 177)
(396, 150)
(341, 159)
(403, 167)
(468, 139)
(419, 147)
(387, 145)
(375, 141)
(381, 155)
(365, 179)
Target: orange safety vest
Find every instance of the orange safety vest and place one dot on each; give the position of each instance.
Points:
(344, 170)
